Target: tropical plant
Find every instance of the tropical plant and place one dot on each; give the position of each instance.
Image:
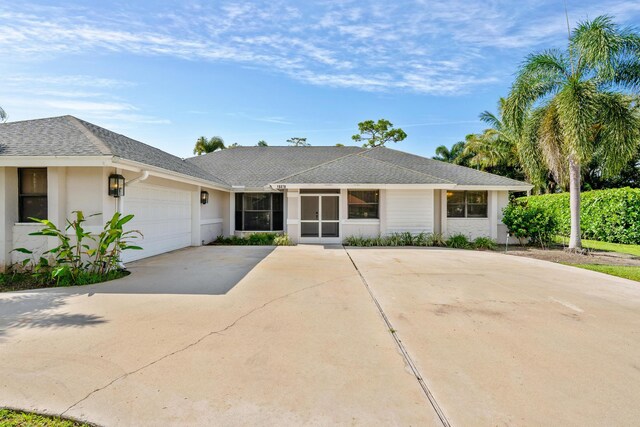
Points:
(204, 145)
(453, 155)
(3, 115)
(298, 142)
(282, 240)
(74, 261)
(484, 243)
(458, 241)
(378, 133)
(580, 103)
(262, 143)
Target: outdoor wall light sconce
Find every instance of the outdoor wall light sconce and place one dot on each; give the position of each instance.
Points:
(204, 197)
(116, 185)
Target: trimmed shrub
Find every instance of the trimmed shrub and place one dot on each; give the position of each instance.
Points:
(282, 240)
(254, 239)
(529, 222)
(484, 243)
(606, 215)
(458, 241)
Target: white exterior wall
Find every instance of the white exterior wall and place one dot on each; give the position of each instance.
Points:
(292, 215)
(358, 227)
(470, 227)
(503, 201)
(408, 210)
(85, 188)
(481, 227)
(212, 215)
(8, 213)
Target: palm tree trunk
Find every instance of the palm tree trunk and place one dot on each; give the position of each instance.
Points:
(575, 241)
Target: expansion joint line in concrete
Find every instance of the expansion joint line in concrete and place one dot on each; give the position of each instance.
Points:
(198, 341)
(405, 354)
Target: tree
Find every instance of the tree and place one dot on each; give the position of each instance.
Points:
(501, 150)
(453, 155)
(298, 142)
(234, 145)
(378, 133)
(3, 115)
(580, 103)
(339, 145)
(262, 143)
(204, 145)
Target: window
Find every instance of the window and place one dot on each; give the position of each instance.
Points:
(32, 194)
(259, 212)
(467, 204)
(363, 204)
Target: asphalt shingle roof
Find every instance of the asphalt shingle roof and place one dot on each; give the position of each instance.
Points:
(360, 169)
(251, 167)
(69, 136)
(256, 167)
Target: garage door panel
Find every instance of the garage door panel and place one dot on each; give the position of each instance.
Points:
(162, 215)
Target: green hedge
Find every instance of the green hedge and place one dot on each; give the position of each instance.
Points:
(606, 215)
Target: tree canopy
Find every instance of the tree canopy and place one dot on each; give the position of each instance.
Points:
(580, 104)
(204, 145)
(298, 142)
(378, 133)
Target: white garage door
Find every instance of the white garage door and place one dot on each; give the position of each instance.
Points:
(163, 215)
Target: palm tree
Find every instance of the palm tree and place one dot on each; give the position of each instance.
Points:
(298, 142)
(262, 143)
(582, 102)
(3, 115)
(500, 149)
(453, 155)
(204, 145)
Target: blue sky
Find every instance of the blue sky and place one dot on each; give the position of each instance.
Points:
(166, 72)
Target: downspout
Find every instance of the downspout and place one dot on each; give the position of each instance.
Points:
(144, 176)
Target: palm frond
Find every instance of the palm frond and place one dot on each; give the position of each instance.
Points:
(577, 108)
(3, 115)
(618, 133)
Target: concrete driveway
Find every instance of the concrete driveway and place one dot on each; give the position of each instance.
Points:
(250, 335)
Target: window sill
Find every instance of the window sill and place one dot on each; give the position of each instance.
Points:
(473, 219)
(361, 221)
(27, 224)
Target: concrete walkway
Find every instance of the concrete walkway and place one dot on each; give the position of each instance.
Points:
(291, 336)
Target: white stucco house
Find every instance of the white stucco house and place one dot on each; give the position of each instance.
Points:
(51, 167)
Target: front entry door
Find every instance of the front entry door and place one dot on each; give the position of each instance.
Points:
(320, 218)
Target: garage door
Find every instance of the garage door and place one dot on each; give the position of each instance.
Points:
(162, 214)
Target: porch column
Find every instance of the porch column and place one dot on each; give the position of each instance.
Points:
(8, 213)
(443, 212)
(196, 213)
(293, 215)
(493, 214)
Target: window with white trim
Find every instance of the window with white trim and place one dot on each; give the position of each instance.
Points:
(32, 194)
(363, 204)
(467, 204)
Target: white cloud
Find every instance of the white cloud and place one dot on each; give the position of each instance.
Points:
(441, 47)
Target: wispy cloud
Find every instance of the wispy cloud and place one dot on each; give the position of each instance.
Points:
(93, 98)
(440, 47)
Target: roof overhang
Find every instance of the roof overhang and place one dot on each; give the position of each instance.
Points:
(131, 165)
(405, 187)
(105, 161)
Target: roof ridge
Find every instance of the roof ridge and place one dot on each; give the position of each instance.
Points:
(321, 164)
(100, 145)
(409, 169)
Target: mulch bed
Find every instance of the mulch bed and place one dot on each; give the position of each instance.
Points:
(558, 254)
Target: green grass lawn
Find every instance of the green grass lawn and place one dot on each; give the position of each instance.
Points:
(604, 246)
(10, 418)
(626, 272)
